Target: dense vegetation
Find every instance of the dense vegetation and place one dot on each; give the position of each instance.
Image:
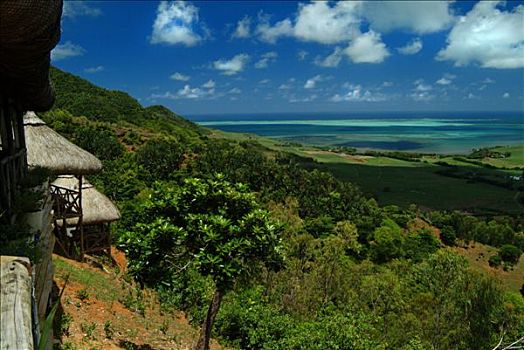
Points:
(350, 274)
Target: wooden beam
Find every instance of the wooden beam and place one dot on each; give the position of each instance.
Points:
(15, 307)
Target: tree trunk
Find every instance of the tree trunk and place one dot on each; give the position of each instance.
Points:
(205, 332)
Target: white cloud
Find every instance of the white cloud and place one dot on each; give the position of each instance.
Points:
(94, 69)
(367, 48)
(235, 91)
(66, 50)
(446, 79)
(443, 81)
(316, 21)
(268, 57)
(210, 84)
(174, 24)
(472, 97)
(331, 61)
(185, 93)
(232, 66)
(421, 96)
(264, 81)
(489, 36)
(304, 99)
(319, 22)
(357, 94)
(506, 95)
(488, 81)
(243, 29)
(268, 33)
(311, 83)
(421, 87)
(302, 54)
(387, 84)
(414, 16)
(411, 48)
(179, 76)
(284, 87)
(72, 9)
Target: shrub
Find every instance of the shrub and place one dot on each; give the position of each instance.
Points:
(509, 253)
(494, 261)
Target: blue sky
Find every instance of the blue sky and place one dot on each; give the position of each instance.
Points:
(255, 57)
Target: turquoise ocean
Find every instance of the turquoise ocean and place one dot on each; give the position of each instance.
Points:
(428, 132)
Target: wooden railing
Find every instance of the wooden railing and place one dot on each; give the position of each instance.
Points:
(67, 202)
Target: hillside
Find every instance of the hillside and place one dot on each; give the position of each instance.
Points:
(302, 259)
(82, 98)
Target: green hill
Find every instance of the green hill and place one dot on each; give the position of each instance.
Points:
(82, 98)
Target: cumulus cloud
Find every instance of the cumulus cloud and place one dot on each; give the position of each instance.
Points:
(332, 60)
(243, 29)
(268, 57)
(210, 84)
(317, 21)
(322, 23)
(506, 95)
(187, 92)
(367, 48)
(414, 16)
(487, 36)
(446, 79)
(174, 24)
(72, 9)
(311, 83)
(411, 48)
(284, 87)
(235, 91)
(232, 66)
(66, 50)
(421, 96)
(357, 94)
(94, 69)
(264, 81)
(179, 76)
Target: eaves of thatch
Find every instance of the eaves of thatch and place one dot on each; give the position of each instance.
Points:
(96, 207)
(48, 149)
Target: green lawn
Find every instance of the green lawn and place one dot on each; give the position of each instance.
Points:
(515, 160)
(421, 185)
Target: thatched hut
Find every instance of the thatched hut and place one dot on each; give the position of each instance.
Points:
(97, 214)
(48, 149)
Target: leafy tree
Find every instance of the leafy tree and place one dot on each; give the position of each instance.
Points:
(212, 225)
(388, 241)
(509, 253)
(160, 159)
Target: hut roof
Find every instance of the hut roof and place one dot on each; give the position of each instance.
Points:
(96, 207)
(48, 149)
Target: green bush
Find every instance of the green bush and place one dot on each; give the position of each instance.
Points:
(509, 253)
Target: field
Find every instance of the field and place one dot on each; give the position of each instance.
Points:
(423, 182)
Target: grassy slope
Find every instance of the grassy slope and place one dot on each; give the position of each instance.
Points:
(478, 255)
(120, 317)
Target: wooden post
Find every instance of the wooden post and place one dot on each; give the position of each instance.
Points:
(80, 225)
(15, 307)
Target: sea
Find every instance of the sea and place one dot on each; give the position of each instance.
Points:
(425, 132)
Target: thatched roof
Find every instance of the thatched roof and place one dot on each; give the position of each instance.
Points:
(96, 207)
(29, 30)
(48, 149)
